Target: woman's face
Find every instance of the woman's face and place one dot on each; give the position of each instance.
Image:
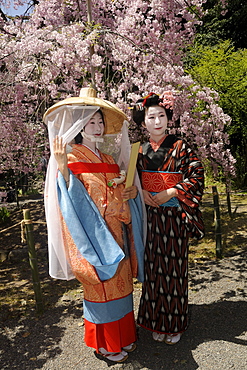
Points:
(156, 122)
(95, 125)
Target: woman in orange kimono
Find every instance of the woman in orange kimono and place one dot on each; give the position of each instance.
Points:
(98, 238)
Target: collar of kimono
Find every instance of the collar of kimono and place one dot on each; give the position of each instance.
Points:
(83, 167)
(155, 145)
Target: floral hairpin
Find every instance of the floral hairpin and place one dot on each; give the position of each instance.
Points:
(167, 100)
(146, 97)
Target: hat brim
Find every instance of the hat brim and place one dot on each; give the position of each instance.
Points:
(113, 116)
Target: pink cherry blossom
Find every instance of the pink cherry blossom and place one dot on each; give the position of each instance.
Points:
(134, 46)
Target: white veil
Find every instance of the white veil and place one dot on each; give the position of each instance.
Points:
(62, 122)
(67, 121)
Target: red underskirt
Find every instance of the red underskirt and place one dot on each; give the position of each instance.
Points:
(111, 336)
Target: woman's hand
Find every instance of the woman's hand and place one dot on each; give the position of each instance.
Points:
(149, 199)
(59, 150)
(159, 198)
(130, 192)
(165, 195)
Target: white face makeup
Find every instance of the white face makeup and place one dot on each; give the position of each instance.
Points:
(156, 122)
(95, 126)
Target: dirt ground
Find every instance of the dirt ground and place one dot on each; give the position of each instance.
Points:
(10, 231)
(16, 281)
(16, 275)
(216, 338)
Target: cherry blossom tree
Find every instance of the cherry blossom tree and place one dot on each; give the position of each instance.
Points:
(126, 48)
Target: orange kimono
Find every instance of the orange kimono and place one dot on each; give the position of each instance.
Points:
(108, 304)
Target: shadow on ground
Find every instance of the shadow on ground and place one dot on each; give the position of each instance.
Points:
(218, 318)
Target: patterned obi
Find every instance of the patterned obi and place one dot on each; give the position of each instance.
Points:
(157, 181)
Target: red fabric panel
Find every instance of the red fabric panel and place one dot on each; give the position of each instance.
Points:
(159, 181)
(111, 336)
(83, 167)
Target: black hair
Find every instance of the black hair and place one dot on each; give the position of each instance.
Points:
(78, 138)
(102, 115)
(139, 110)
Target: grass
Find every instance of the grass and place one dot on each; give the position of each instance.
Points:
(234, 229)
(17, 298)
(4, 214)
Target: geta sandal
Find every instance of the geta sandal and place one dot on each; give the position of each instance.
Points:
(172, 338)
(115, 357)
(130, 348)
(158, 337)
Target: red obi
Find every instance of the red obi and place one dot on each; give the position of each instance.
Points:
(156, 181)
(87, 167)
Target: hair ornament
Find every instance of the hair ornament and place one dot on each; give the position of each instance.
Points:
(139, 106)
(146, 97)
(167, 100)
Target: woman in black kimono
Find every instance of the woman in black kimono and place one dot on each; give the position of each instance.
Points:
(172, 180)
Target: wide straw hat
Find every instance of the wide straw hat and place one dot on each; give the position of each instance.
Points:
(113, 116)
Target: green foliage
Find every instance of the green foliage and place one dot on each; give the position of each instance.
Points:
(224, 23)
(210, 181)
(233, 228)
(4, 214)
(225, 70)
(218, 60)
(31, 191)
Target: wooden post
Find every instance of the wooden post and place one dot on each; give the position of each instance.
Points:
(217, 222)
(33, 260)
(228, 198)
(16, 196)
